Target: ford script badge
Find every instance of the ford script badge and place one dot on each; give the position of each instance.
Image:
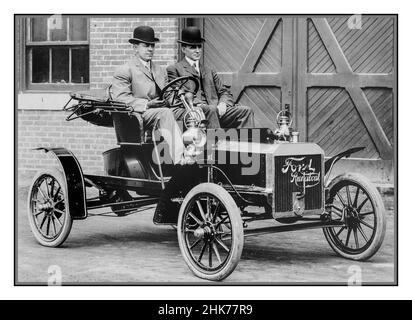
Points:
(302, 173)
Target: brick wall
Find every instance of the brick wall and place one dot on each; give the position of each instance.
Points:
(109, 45)
(50, 129)
(109, 48)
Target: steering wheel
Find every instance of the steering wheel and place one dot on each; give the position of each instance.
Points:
(174, 88)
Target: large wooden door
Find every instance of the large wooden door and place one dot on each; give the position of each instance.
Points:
(340, 79)
(346, 83)
(253, 55)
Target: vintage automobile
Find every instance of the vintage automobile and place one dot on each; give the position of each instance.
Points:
(216, 202)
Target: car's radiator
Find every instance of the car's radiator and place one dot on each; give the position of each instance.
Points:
(296, 176)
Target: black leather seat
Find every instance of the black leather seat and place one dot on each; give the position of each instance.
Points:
(129, 128)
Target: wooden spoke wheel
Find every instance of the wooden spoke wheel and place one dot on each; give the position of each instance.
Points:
(210, 232)
(356, 202)
(48, 211)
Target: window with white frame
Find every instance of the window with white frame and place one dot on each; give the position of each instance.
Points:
(57, 52)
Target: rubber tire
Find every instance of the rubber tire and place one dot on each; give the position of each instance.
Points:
(377, 202)
(67, 223)
(237, 231)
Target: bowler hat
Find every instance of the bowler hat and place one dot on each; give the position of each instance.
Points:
(143, 34)
(191, 36)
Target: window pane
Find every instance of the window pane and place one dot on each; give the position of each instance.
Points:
(58, 28)
(39, 29)
(40, 66)
(60, 65)
(80, 65)
(78, 28)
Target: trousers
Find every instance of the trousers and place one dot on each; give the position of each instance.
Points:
(235, 116)
(211, 115)
(168, 129)
(238, 117)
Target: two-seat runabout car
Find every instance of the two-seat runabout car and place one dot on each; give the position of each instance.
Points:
(237, 178)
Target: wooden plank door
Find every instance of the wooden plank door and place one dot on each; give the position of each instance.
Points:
(346, 83)
(253, 55)
(339, 79)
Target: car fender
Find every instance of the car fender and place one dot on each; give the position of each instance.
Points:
(345, 154)
(76, 191)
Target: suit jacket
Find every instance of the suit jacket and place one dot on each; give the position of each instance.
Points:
(213, 87)
(133, 83)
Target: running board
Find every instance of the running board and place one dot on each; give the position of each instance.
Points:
(291, 227)
(131, 204)
(142, 186)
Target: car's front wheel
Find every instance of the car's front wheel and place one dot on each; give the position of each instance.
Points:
(210, 232)
(356, 202)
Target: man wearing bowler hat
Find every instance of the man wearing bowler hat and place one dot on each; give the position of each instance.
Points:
(139, 82)
(212, 94)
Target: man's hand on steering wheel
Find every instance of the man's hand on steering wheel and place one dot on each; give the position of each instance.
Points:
(157, 103)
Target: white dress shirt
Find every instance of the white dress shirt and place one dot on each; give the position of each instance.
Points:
(194, 64)
(146, 64)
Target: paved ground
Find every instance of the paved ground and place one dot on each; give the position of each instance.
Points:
(133, 250)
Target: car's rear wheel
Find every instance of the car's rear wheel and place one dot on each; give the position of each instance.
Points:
(48, 210)
(210, 232)
(356, 202)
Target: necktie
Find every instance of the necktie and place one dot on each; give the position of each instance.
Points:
(196, 67)
(158, 90)
(200, 94)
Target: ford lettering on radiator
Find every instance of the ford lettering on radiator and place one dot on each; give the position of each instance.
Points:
(301, 171)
